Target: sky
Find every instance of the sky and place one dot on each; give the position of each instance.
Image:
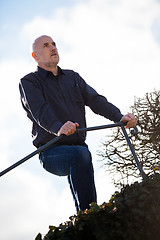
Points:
(115, 46)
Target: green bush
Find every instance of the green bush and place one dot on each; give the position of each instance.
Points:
(132, 214)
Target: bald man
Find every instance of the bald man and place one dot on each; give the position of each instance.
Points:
(54, 100)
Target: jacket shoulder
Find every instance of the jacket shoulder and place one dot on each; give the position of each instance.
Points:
(29, 76)
(69, 72)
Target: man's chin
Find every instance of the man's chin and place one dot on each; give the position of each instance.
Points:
(51, 64)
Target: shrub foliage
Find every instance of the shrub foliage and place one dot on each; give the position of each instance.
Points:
(131, 214)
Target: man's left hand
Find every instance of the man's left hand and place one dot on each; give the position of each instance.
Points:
(130, 119)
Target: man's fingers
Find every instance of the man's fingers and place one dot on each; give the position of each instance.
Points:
(130, 119)
(68, 128)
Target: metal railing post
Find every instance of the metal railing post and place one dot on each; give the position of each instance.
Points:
(142, 173)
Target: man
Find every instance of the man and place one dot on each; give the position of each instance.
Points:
(55, 100)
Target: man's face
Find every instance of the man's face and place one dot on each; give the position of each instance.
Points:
(45, 52)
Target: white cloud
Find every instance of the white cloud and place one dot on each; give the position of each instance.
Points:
(30, 203)
(111, 44)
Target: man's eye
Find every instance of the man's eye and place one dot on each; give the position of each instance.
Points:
(54, 44)
(45, 44)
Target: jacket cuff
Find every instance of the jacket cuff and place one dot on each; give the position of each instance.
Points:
(55, 127)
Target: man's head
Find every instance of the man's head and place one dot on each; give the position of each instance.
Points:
(45, 52)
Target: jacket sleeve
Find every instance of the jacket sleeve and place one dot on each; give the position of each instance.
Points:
(36, 107)
(98, 103)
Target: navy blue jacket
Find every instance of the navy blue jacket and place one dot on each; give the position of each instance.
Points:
(50, 101)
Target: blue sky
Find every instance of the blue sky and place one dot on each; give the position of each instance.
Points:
(17, 12)
(14, 14)
(115, 46)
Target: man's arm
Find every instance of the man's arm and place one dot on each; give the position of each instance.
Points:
(100, 105)
(36, 106)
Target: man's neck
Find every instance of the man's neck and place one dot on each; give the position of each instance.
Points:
(53, 69)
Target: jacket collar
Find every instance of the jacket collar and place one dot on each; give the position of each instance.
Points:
(43, 73)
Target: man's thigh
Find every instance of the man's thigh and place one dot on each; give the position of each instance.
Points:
(59, 159)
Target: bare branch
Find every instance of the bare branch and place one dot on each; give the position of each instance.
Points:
(116, 155)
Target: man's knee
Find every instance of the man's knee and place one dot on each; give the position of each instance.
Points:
(83, 156)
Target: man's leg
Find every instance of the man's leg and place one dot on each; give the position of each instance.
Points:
(82, 177)
(76, 162)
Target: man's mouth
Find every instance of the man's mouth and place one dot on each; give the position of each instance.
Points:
(53, 54)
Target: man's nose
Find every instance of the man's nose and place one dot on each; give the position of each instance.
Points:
(52, 48)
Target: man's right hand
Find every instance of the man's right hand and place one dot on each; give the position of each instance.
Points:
(68, 128)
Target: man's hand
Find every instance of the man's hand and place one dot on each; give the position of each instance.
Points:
(130, 119)
(68, 128)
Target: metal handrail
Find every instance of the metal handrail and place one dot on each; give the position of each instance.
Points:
(56, 139)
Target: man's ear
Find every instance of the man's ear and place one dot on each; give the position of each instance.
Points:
(34, 56)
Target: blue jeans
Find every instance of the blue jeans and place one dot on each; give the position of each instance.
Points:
(76, 163)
